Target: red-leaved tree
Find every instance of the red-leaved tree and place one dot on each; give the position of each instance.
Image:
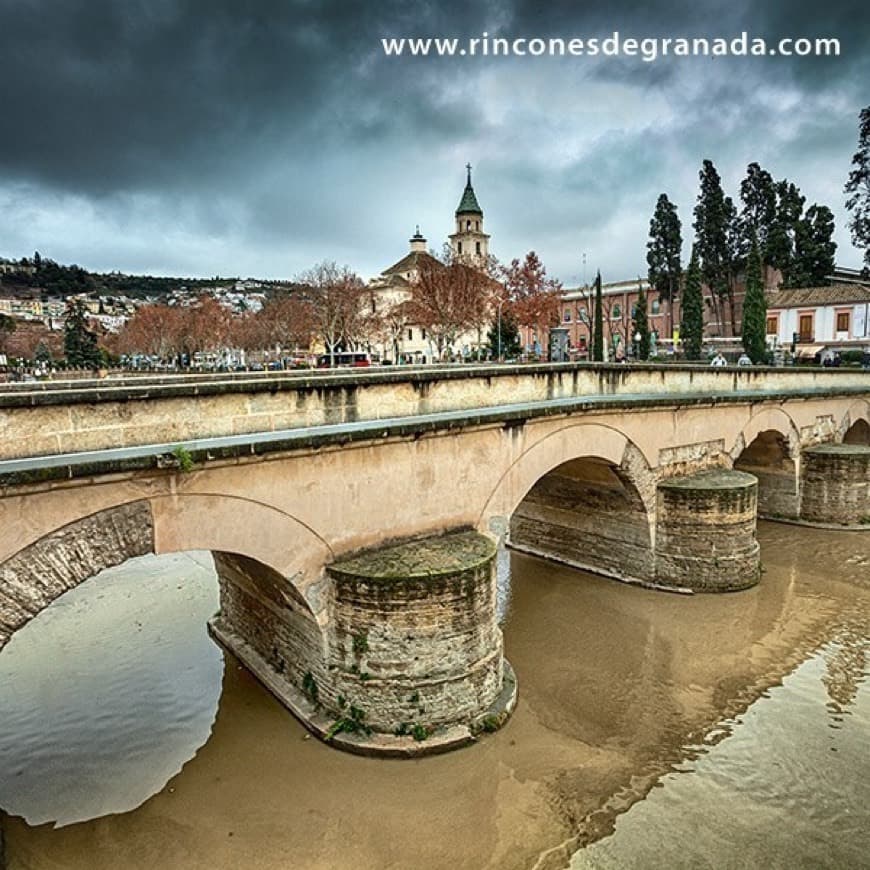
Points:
(533, 298)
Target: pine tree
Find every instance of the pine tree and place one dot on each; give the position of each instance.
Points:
(858, 188)
(692, 330)
(79, 342)
(711, 234)
(814, 248)
(780, 239)
(664, 251)
(755, 309)
(640, 327)
(598, 326)
(758, 193)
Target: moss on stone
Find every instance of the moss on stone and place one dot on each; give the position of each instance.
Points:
(439, 556)
(840, 449)
(721, 478)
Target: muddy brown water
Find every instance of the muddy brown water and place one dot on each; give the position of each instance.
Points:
(652, 730)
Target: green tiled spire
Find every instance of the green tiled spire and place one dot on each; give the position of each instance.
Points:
(469, 204)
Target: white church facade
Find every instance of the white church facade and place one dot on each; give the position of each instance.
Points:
(402, 340)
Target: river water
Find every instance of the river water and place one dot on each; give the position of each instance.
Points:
(652, 730)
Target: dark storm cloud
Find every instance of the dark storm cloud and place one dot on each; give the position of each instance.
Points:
(211, 136)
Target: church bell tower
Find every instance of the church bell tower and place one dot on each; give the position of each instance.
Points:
(470, 243)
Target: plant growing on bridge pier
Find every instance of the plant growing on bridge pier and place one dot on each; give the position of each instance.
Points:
(360, 643)
(309, 687)
(352, 723)
(421, 732)
(183, 459)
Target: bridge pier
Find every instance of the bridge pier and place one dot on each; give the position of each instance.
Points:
(835, 485)
(410, 661)
(705, 532)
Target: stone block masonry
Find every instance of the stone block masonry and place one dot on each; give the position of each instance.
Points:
(42, 572)
(585, 515)
(835, 484)
(409, 660)
(415, 637)
(705, 532)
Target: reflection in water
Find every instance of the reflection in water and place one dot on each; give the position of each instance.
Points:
(781, 791)
(729, 700)
(108, 692)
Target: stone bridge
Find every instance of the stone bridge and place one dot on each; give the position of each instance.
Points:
(353, 517)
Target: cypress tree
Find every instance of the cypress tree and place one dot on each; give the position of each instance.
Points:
(641, 324)
(692, 330)
(755, 309)
(598, 327)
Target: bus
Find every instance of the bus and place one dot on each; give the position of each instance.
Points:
(350, 359)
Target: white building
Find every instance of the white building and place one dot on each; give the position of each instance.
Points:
(404, 340)
(836, 317)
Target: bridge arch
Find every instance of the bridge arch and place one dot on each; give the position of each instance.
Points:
(573, 441)
(768, 447)
(855, 426)
(269, 548)
(767, 419)
(584, 495)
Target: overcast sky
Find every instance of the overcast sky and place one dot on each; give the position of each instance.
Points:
(216, 137)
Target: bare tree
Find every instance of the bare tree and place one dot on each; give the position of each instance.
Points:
(449, 298)
(337, 297)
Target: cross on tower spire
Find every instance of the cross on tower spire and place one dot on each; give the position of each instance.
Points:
(468, 167)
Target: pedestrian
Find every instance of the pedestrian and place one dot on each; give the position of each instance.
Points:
(718, 361)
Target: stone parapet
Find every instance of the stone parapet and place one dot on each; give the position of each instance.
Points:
(705, 532)
(59, 418)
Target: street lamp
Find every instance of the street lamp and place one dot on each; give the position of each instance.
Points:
(637, 338)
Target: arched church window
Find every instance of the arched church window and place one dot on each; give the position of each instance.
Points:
(459, 247)
(477, 247)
